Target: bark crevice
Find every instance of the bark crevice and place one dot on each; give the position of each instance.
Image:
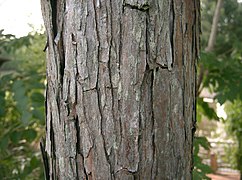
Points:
(140, 7)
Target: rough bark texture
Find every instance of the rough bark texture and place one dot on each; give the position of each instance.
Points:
(120, 98)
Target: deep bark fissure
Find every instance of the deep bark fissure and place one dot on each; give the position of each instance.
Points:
(183, 76)
(172, 28)
(74, 42)
(52, 140)
(154, 167)
(62, 59)
(120, 47)
(78, 145)
(45, 158)
(139, 137)
(54, 16)
(143, 7)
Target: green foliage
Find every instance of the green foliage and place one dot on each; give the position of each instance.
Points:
(224, 76)
(207, 12)
(224, 64)
(234, 127)
(230, 155)
(200, 169)
(204, 109)
(222, 67)
(22, 106)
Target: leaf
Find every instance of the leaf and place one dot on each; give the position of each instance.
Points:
(29, 135)
(26, 117)
(34, 162)
(15, 136)
(199, 175)
(36, 85)
(20, 95)
(199, 116)
(221, 98)
(39, 114)
(38, 97)
(195, 149)
(5, 79)
(4, 142)
(205, 168)
(202, 141)
(200, 169)
(197, 160)
(206, 110)
(2, 102)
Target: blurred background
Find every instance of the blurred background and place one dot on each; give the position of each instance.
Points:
(218, 139)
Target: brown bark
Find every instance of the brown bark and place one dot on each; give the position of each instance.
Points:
(120, 97)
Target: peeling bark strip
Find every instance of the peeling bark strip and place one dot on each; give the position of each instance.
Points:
(120, 98)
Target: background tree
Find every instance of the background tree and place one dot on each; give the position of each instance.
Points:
(120, 88)
(223, 64)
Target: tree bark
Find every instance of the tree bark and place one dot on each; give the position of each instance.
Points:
(120, 97)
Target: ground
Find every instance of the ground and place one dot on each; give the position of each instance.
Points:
(225, 176)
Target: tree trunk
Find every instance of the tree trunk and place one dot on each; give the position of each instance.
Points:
(212, 37)
(120, 98)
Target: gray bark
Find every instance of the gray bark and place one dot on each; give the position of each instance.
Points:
(120, 98)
